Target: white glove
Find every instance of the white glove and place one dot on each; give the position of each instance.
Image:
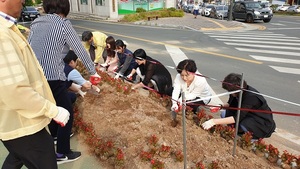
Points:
(104, 64)
(208, 124)
(174, 107)
(129, 76)
(81, 93)
(62, 117)
(96, 75)
(117, 76)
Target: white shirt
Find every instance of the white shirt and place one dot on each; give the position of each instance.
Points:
(198, 88)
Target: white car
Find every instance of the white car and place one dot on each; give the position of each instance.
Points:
(206, 10)
(283, 7)
(294, 8)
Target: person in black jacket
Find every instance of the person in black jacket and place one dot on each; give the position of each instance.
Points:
(260, 124)
(152, 72)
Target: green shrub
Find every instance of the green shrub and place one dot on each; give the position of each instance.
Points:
(139, 10)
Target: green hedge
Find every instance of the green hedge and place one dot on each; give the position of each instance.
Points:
(143, 15)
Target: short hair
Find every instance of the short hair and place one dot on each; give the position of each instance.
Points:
(70, 56)
(86, 36)
(187, 65)
(120, 43)
(232, 82)
(139, 54)
(57, 6)
(111, 41)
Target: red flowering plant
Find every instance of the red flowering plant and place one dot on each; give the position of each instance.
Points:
(228, 133)
(245, 141)
(156, 164)
(260, 145)
(199, 165)
(178, 155)
(272, 151)
(119, 160)
(146, 156)
(164, 148)
(214, 165)
(287, 157)
(152, 140)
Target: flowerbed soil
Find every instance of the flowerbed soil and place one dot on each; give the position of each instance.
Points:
(129, 120)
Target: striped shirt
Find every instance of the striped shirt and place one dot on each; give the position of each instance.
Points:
(51, 37)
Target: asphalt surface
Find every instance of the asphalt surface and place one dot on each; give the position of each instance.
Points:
(186, 22)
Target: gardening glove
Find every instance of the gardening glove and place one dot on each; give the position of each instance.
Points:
(208, 124)
(117, 76)
(174, 107)
(96, 75)
(62, 117)
(104, 64)
(129, 77)
(81, 93)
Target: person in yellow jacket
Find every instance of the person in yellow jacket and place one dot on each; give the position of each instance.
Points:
(26, 102)
(94, 43)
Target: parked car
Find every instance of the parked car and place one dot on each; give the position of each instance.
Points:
(219, 12)
(206, 10)
(188, 8)
(250, 11)
(283, 7)
(29, 13)
(294, 8)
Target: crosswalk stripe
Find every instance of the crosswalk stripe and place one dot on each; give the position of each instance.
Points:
(258, 36)
(243, 33)
(272, 59)
(269, 52)
(262, 46)
(283, 28)
(286, 70)
(263, 39)
(260, 42)
(277, 24)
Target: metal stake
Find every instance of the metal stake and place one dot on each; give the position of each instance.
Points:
(238, 115)
(184, 128)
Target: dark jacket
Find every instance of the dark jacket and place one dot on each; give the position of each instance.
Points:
(261, 124)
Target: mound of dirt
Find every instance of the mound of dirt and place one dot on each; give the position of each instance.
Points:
(130, 119)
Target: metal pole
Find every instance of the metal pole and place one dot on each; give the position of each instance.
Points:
(184, 128)
(230, 10)
(238, 115)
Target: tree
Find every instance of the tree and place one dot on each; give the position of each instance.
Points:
(29, 3)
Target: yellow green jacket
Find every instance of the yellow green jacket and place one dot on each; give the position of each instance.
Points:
(99, 42)
(26, 101)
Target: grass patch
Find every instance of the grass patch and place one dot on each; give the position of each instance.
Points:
(286, 13)
(170, 12)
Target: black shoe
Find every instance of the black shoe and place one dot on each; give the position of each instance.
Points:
(71, 156)
(55, 138)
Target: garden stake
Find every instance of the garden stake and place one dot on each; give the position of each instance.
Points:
(238, 115)
(183, 128)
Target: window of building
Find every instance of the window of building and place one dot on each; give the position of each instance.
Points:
(84, 2)
(99, 2)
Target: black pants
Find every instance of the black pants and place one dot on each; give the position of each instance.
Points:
(35, 151)
(62, 99)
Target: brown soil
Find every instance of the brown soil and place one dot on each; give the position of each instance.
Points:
(129, 120)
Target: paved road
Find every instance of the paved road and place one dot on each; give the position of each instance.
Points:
(187, 22)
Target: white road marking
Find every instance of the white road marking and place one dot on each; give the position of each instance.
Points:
(177, 55)
(262, 46)
(286, 70)
(282, 28)
(277, 24)
(259, 42)
(272, 59)
(290, 39)
(269, 52)
(284, 134)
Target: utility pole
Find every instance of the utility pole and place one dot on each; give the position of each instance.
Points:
(230, 10)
